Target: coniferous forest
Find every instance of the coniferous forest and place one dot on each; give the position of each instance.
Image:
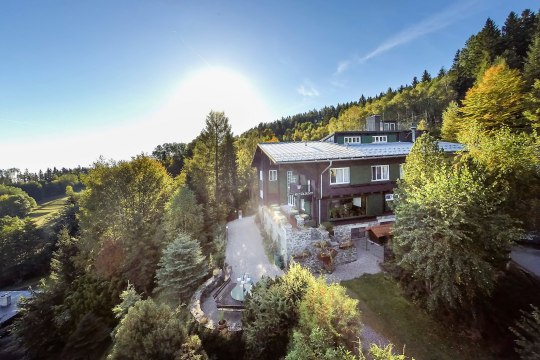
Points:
(112, 271)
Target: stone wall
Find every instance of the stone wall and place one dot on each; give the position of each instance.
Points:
(202, 292)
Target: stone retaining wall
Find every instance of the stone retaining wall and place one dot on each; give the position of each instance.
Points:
(202, 292)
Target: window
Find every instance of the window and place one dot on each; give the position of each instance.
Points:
(352, 140)
(272, 175)
(339, 176)
(262, 194)
(389, 126)
(347, 208)
(261, 175)
(380, 139)
(380, 173)
(401, 171)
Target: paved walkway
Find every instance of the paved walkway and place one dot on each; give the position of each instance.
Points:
(528, 258)
(245, 251)
(366, 263)
(245, 254)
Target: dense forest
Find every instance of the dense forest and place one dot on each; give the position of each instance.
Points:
(136, 238)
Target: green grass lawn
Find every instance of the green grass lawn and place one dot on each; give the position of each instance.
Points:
(47, 210)
(388, 312)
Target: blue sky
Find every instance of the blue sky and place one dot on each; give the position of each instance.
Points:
(80, 79)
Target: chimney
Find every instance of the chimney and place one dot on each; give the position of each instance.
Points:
(413, 133)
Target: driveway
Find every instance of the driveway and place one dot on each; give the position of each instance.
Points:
(528, 258)
(245, 251)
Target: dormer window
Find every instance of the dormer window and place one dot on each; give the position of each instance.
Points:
(389, 126)
(380, 139)
(352, 139)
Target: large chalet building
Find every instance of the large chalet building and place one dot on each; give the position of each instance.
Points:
(346, 177)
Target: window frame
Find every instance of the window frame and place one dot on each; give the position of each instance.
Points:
(384, 170)
(346, 170)
(380, 139)
(272, 175)
(355, 139)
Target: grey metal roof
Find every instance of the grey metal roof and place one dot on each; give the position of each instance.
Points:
(316, 150)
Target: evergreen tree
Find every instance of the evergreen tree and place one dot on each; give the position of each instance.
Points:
(182, 268)
(531, 70)
(414, 81)
(183, 215)
(527, 331)
(212, 169)
(149, 331)
(426, 76)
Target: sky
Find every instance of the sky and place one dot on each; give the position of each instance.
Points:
(116, 78)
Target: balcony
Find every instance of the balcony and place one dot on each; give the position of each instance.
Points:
(296, 189)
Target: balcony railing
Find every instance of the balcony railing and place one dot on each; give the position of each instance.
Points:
(300, 189)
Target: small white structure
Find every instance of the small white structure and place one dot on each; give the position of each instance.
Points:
(5, 300)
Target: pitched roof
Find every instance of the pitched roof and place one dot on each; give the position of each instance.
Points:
(288, 152)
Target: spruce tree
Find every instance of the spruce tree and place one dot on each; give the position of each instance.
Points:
(182, 268)
(531, 69)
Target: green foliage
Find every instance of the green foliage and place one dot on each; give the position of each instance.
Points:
(531, 70)
(21, 249)
(171, 156)
(271, 313)
(182, 268)
(527, 330)
(424, 154)
(63, 268)
(183, 215)
(37, 328)
(121, 210)
(385, 353)
(512, 165)
(532, 112)
(15, 202)
(129, 298)
(91, 336)
(317, 345)
(450, 233)
(327, 307)
(212, 169)
(149, 331)
(497, 100)
(452, 123)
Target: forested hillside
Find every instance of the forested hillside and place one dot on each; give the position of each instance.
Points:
(130, 249)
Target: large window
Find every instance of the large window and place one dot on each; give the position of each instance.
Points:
(380, 173)
(347, 208)
(352, 140)
(380, 139)
(272, 175)
(339, 176)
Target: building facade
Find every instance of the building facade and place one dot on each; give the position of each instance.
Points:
(345, 177)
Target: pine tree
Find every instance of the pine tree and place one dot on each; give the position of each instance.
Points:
(531, 69)
(426, 76)
(182, 268)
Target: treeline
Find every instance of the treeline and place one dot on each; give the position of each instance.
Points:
(43, 185)
(425, 99)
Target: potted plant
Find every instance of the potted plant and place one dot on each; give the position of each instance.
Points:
(222, 323)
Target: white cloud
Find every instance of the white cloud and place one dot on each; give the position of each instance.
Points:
(424, 27)
(307, 91)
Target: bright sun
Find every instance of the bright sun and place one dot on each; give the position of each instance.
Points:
(218, 89)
